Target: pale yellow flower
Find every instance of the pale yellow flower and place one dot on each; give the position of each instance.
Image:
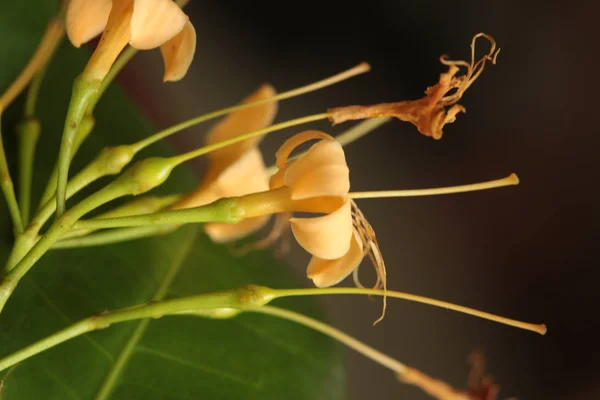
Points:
(144, 24)
(318, 181)
(238, 169)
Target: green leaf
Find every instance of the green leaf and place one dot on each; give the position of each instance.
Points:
(249, 357)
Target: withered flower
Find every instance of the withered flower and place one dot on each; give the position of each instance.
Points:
(480, 386)
(439, 105)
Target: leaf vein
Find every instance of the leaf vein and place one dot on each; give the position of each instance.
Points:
(155, 390)
(69, 321)
(200, 367)
(128, 349)
(62, 384)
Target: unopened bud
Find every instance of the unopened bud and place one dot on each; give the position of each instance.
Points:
(147, 174)
(112, 160)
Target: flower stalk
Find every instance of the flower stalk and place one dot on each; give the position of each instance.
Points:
(7, 186)
(84, 91)
(226, 304)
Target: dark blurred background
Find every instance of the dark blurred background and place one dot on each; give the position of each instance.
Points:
(525, 252)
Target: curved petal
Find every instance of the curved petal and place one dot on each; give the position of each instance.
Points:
(325, 273)
(154, 22)
(286, 149)
(178, 53)
(326, 237)
(223, 233)
(322, 171)
(244, 121)
(86, 19)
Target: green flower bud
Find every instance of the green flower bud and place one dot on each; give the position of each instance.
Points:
(145, 175)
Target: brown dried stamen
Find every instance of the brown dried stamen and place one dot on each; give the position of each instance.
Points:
(371, 249)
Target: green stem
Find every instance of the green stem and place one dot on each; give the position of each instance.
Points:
(109, 161)
(28, 133)
(138, 206)
(85, 128)
(223, 210)
(56, 231)
(143, 176)
(114, 236)
(240, 298)
(226, 304)
(142, 144)
(84, 91)
(8, 187)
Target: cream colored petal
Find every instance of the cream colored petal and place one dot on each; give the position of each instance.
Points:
(246, 175)
(325, 273)
(178, 53)
(86, 19)
(244, 121)
(154, 22)
(322, 171)
(327, 237)
(200, 196)
(276, 180)
(328, 180)
(223, 233)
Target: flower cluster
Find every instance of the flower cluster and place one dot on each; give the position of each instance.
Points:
(309, 193)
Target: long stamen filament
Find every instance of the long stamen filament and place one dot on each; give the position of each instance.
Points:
(357, 70)
(537, 328)
(259, 132)
(510, 180)
(336, 334)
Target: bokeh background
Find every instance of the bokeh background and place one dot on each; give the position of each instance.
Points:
(527, 252)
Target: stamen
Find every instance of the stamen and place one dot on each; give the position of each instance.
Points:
(510, 180)
(362, 348)
(370, 248)
(207, 149)
(474, 69)
(438, 389)
(537, 328)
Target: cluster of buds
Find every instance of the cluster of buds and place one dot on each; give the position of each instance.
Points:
(238, 194)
